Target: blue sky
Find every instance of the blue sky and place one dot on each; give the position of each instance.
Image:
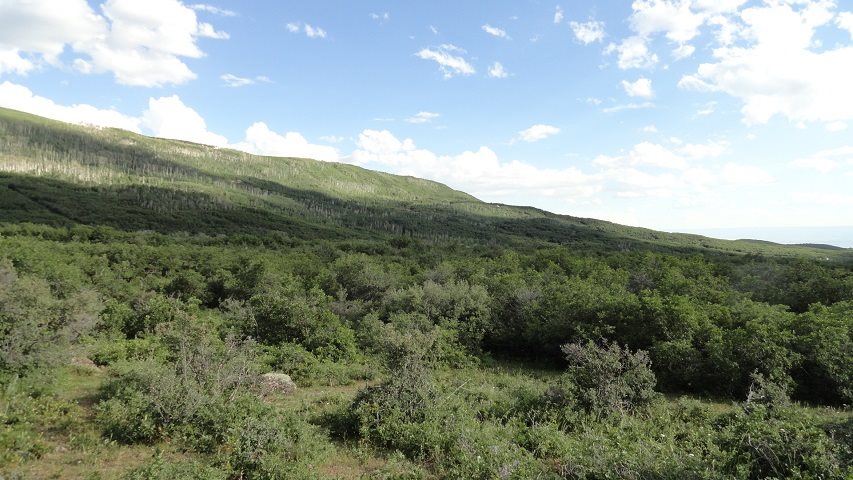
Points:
(681, 115)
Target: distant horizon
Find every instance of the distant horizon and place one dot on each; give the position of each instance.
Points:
(838, 236)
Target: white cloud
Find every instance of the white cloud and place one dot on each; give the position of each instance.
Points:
(310, 31)
(673, 18)
(628, 106)
(683, 51)
(836, 127)
(494, 31)
(776, 71)
(632, 52)
(588, 32)
(448, 58)
(332, 139)
(645, 154)
(826, 161)
(558, 14)
(235, 81)
(699, 151)
(691, 82)
(844, 20)
(640, 88)
(19, 97)
(745, 175)
(433, 30)
(824, 199)
(382, 18)
(168, 117)
(478, 171)
(649, 129)
(12, 61)
(707, 109)
(142, 44)
(200, 7)
(260, 140)
(537, 132)
(314, 32)
(38, 31)
(497, 70)
(423, 117)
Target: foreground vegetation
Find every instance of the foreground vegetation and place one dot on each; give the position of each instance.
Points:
(145, 286)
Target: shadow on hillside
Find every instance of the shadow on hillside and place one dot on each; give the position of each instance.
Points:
(54, 202)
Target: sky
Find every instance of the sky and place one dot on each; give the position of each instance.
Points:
(725, 116)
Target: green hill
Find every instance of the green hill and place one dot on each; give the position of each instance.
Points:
(147, 287)
(59, 174)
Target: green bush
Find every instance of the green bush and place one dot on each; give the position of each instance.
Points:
(607, 378)
(779, 443)
(274, 445)
(306, 369)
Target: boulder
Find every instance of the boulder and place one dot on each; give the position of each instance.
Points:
(277, 383)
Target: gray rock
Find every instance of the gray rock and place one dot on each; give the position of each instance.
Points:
(277, 383)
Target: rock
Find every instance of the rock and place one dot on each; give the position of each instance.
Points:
(85, 364)
(278, 383)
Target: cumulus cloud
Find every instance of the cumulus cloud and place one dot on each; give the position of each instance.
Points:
(640, 88)
(168, 117)
(494, 31)
(449, 58)
(588, 32)
(497, 70)
(558, 14)
(19, 97)
(537, 132)
(683, 51)
(477, 171)
(845, 22)
(675, 19)
(261, 140)
(632, 52)
(647, 154)
(777, 72)
(423, 117)
(140, 44)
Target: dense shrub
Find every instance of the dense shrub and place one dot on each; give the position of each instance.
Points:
(307, 369)
(607, 378)
(36, 327)
(195, 394)
(274, 446)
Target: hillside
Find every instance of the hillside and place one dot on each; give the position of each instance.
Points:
(149, 287)
(60, 174)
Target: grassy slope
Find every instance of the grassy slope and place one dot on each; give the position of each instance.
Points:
(61, 174)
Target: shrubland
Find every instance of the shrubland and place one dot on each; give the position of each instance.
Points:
(145, 285)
